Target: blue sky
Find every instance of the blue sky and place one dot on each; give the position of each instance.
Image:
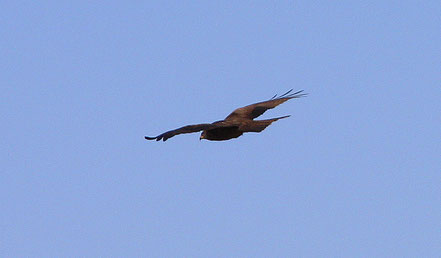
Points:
(354, 172)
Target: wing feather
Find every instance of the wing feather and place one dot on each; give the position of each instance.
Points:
(254, 110)
(182, 130)
(191, 129)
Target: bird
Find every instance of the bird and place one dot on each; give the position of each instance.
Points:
(240, 121)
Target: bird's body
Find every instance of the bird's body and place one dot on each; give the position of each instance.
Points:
(235, 124)
(221, 133)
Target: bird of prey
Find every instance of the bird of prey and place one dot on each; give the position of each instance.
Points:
(235, 124)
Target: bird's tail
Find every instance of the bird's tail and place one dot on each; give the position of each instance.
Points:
(258, 125)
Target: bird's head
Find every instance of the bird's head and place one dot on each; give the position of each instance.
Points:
(202, 136)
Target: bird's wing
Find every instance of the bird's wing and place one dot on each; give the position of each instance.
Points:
(254, 110)
(184, 129)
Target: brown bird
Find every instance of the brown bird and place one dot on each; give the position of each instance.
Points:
(235, 124)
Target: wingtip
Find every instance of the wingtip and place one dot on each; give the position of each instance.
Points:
(288, 94)
(149, 138)
(297, 94)
(284, 117)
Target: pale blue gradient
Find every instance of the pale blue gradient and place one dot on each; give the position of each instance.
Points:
(354, 172)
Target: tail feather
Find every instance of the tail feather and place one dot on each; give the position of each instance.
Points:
(258, 125)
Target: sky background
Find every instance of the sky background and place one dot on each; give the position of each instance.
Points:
(354, 172)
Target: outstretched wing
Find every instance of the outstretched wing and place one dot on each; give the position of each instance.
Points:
(184, 129)
(254, 110)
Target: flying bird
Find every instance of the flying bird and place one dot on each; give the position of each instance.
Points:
(235, 124)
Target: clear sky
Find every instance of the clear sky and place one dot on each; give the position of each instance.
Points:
(354, 172)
